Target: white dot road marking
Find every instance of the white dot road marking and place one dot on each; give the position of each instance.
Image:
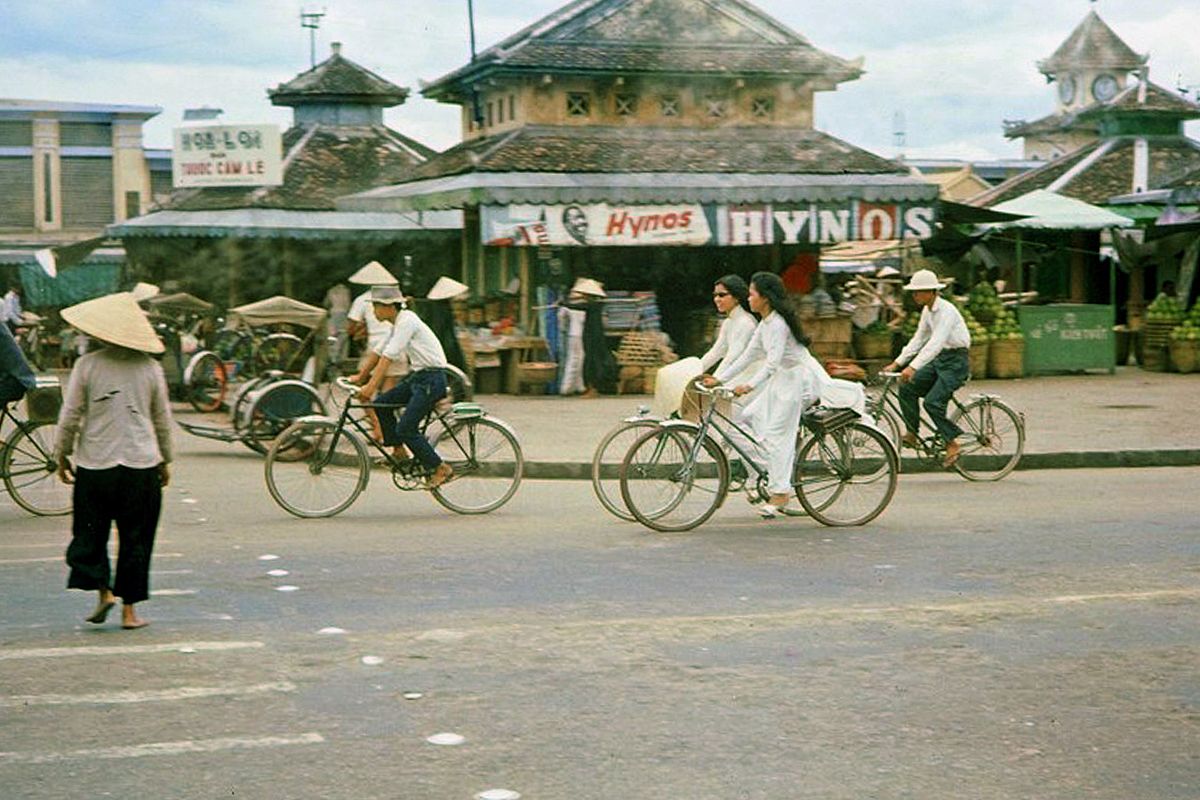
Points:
(150, 696)
(172, 592)
(53, 559)
(114, 650)
(171, 572)
(164, 749)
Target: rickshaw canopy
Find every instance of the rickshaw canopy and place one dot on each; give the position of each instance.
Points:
(279, 309)
(179, 301)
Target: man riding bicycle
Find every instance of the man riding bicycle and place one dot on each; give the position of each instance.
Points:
(937, 363)
(418, 392)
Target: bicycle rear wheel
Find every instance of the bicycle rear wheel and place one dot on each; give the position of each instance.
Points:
(31, 472)
(992, 441)
(606, 464)
(316, 470)
(487, 462)
(206, 382)
(672, 482)
(847, 476)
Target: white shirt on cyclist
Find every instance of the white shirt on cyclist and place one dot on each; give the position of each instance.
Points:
(378, 331)
(412, 337)
(942, 327)
(736, 332)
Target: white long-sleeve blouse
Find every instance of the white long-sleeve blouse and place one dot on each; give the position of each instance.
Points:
(774, 344)
(736, 332)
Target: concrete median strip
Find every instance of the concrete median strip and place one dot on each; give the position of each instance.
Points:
(1097, 459)
(164, 749)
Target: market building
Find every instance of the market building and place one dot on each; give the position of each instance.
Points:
(1116, 140)
(652, 145)
(67, 170)
(238, 243)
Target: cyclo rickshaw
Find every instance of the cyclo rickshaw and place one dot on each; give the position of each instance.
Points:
(260, 407)
(194, 374)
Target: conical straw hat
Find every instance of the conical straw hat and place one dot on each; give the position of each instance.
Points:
(374, 274)
(144, 291)
(588, 286)
(115, 319)
(447, 288)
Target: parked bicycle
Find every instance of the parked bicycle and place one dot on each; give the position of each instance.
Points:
(27, 463)
(993, 438)
(675, 476)
(320, 465)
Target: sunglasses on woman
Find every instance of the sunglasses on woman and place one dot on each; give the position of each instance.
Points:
(719, 295)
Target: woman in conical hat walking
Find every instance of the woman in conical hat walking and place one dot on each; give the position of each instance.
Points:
(114, 445)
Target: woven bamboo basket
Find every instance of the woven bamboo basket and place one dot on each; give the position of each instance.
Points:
(640, 349)
(1183, 355)
(1006, 358)
(1156, 337)
(978, 358)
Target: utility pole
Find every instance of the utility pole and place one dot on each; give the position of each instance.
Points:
(312, 21)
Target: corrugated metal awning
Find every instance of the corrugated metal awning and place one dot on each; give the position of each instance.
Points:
(556, 188)
(277, 223)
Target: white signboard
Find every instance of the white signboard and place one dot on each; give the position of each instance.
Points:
(227, 155)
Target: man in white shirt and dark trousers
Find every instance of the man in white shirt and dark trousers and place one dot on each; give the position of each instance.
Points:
(937, 363)
(418, 392)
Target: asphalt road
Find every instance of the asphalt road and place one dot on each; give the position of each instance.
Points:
(1036, 638)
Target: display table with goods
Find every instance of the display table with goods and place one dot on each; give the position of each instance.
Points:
(1162, 316)
(1184, 342)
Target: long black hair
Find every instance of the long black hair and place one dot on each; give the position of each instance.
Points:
(770, 286)
(737, 287)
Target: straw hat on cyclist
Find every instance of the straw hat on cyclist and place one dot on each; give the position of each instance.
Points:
(934, 362)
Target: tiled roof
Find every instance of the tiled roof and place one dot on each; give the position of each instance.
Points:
(321, 164)
(1092, 45)
(609, 150)
(719, 37)
(1105, 174)
(338, 77)
(1158, 102)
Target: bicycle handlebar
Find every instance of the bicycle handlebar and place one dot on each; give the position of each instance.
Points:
(714, 391)
(345, 383)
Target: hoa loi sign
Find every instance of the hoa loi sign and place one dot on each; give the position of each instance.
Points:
(227, 155)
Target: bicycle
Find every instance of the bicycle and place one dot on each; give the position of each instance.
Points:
(845, 471)
(320, 465)
(28, 466)
(610, 452)
(993, 438)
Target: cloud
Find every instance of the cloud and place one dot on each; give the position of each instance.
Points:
(955, 68)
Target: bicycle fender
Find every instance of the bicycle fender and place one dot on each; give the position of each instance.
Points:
(191, 365)
(681, 424)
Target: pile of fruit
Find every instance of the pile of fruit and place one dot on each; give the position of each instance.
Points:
(1005, 326)
(984, 303)
(909, 328)
(979, 334)
(1189, 329)
(1165, 309)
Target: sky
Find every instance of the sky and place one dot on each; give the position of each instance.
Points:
(954, 69)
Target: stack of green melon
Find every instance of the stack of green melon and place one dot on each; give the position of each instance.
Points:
(984, 303)
(1185, 342)
(1165, 309)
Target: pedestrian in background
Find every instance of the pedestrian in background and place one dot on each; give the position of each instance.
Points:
(115, 426)
(11, 312)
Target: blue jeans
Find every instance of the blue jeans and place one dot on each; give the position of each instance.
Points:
(418, 393)
(936, 382)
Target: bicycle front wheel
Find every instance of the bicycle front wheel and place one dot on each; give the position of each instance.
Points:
(31, 472)
(847, 476)
(206, 382)
(606, 464)
(671, 481)
(315, 469)
(487, 462)
(992, 441)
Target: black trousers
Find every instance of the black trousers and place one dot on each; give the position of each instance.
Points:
(133, 499)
